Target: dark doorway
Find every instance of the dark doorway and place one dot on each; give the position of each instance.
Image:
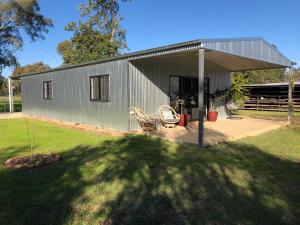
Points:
(186, 87)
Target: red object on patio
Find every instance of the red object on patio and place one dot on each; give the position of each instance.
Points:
(186, 119)
(181, 120)
(212, 116)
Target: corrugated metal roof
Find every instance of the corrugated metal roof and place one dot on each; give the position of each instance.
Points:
(256, 49)
(242, 47)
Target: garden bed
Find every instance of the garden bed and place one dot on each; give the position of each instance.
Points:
(33, 161)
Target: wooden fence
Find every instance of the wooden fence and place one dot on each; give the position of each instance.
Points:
(270, 103)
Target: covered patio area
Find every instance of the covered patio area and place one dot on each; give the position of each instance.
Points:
(230, 129)
(195, 71)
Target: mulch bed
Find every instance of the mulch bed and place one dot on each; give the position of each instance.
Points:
(33, 161)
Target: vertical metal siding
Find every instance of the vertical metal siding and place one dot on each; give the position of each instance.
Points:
(149, 82)
(220, 81)
(71, 96)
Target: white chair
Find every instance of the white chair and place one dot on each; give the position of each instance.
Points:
(168, 116)
(231, 105)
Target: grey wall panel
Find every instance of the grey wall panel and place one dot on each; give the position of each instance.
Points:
(71, 95)
(219, 80)
(149, 81)
(148, 85)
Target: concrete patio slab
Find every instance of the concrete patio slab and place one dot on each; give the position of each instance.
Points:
(221, 131)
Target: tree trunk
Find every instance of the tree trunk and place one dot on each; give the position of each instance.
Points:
(113, 21)
(290, 103)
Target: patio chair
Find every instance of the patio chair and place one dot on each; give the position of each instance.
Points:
(168, 116)
(231, 106)
(146, 121)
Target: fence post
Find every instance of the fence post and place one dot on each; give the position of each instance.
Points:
(10, 96)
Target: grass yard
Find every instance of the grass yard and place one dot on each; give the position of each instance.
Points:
(137, 180)
(265, 113)
(268, 115)
(4, 104)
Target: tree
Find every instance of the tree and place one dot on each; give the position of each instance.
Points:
(97, 35)
(86, 45)
(17, 17)
(104, 15)
(237, 92)
(3, 86)
(296, 74)
(30, 68)
(292, 78)
(263, 76)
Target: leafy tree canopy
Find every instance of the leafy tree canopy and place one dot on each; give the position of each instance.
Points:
(2, 85)
(262, 76)
(237, 91)
(97, 35)
(31, 68)
(297, 74)
(17, 16)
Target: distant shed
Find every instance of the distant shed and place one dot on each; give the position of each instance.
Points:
(271, 96)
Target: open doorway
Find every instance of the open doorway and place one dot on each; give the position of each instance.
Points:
(186, 87)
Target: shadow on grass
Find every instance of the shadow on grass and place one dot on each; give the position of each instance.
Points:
(140, 180)
(12, 151)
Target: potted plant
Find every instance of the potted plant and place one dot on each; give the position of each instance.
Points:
(212, 114)
(180, 103)
(190, 102)
(216, 97)
(187, 102)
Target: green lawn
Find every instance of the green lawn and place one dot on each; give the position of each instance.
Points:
(4, 104)
(138, 180)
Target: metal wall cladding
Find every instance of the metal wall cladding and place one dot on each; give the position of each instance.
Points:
(149, 81)
(146, 86)
(71, 95)
(257, 49)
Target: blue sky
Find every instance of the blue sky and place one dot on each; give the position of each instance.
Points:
(153, 23)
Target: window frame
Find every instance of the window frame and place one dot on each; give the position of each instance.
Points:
(44, 96)
(99, 84)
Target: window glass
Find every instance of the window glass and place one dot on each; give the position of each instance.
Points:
(47, 89)
(95, 88)
(100, 87)
(104, 81)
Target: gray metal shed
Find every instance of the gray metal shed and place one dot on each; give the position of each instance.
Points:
(143, 79)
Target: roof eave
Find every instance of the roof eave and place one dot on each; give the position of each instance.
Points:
(125, 56)
(166, 48)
